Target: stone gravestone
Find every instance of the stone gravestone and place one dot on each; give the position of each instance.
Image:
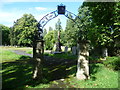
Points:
(74, 50)
(58, 47)
(66, 49)
(104, 52)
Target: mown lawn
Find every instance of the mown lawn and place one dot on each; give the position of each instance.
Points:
(17, 73)
(17, 69)
(101, 77)
(7, 55)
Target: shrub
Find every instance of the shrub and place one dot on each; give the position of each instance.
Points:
(112, 62)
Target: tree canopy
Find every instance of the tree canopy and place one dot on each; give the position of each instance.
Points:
(5, 34)
(23, 31)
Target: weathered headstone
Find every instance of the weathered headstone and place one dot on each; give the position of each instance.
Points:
(66, 49)
(104, 52)
(74, 50)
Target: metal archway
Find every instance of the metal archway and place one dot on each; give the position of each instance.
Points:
(38, 44)
(61, 10)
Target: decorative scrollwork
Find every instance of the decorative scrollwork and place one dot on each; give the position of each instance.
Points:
(71, 16)
(52, 15)
(47, 18)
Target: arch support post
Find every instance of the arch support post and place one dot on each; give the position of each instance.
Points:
(38, 59)
(83, 62)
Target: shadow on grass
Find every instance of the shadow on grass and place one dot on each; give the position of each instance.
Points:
(59, 70)
(94, 68)
(18, 74)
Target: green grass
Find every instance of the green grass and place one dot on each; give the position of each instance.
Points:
(112, 62)
(17, 73)
(29, 51)
(7, 55)
(62, 56)
(17, 70)
(102, 78)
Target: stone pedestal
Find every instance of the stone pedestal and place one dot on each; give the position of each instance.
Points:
(83, 62)
(58, 47)
(38, 50)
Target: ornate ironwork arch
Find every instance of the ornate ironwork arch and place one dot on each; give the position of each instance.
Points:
(61, 10)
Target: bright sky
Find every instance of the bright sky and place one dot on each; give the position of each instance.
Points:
(11, 11)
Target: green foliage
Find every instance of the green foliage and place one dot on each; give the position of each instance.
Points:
(102, 12)
(104, 17)
(80, 29)
(101, 77)
(117, 13)
(7, 55)
(49, 40)
(113, 62)
(70, 33)
(84, 21)
(5, 34)
(23, 31)
(58, 25)
(29, 51)
(63, 39)
(52, 36)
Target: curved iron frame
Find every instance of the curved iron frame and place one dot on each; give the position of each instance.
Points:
(51, 16)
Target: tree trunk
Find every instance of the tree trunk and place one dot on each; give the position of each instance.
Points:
(38, 50)
(82, 66)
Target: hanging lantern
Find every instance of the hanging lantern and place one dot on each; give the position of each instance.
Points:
(61, 9)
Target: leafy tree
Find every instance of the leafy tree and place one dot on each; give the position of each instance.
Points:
(117, 13)
(49, 40)
(71, 35)
(24, 30)
(63, 39)
(102, 12)
(104, 16)
(5, 34)
(84, 21)
(58, 25)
